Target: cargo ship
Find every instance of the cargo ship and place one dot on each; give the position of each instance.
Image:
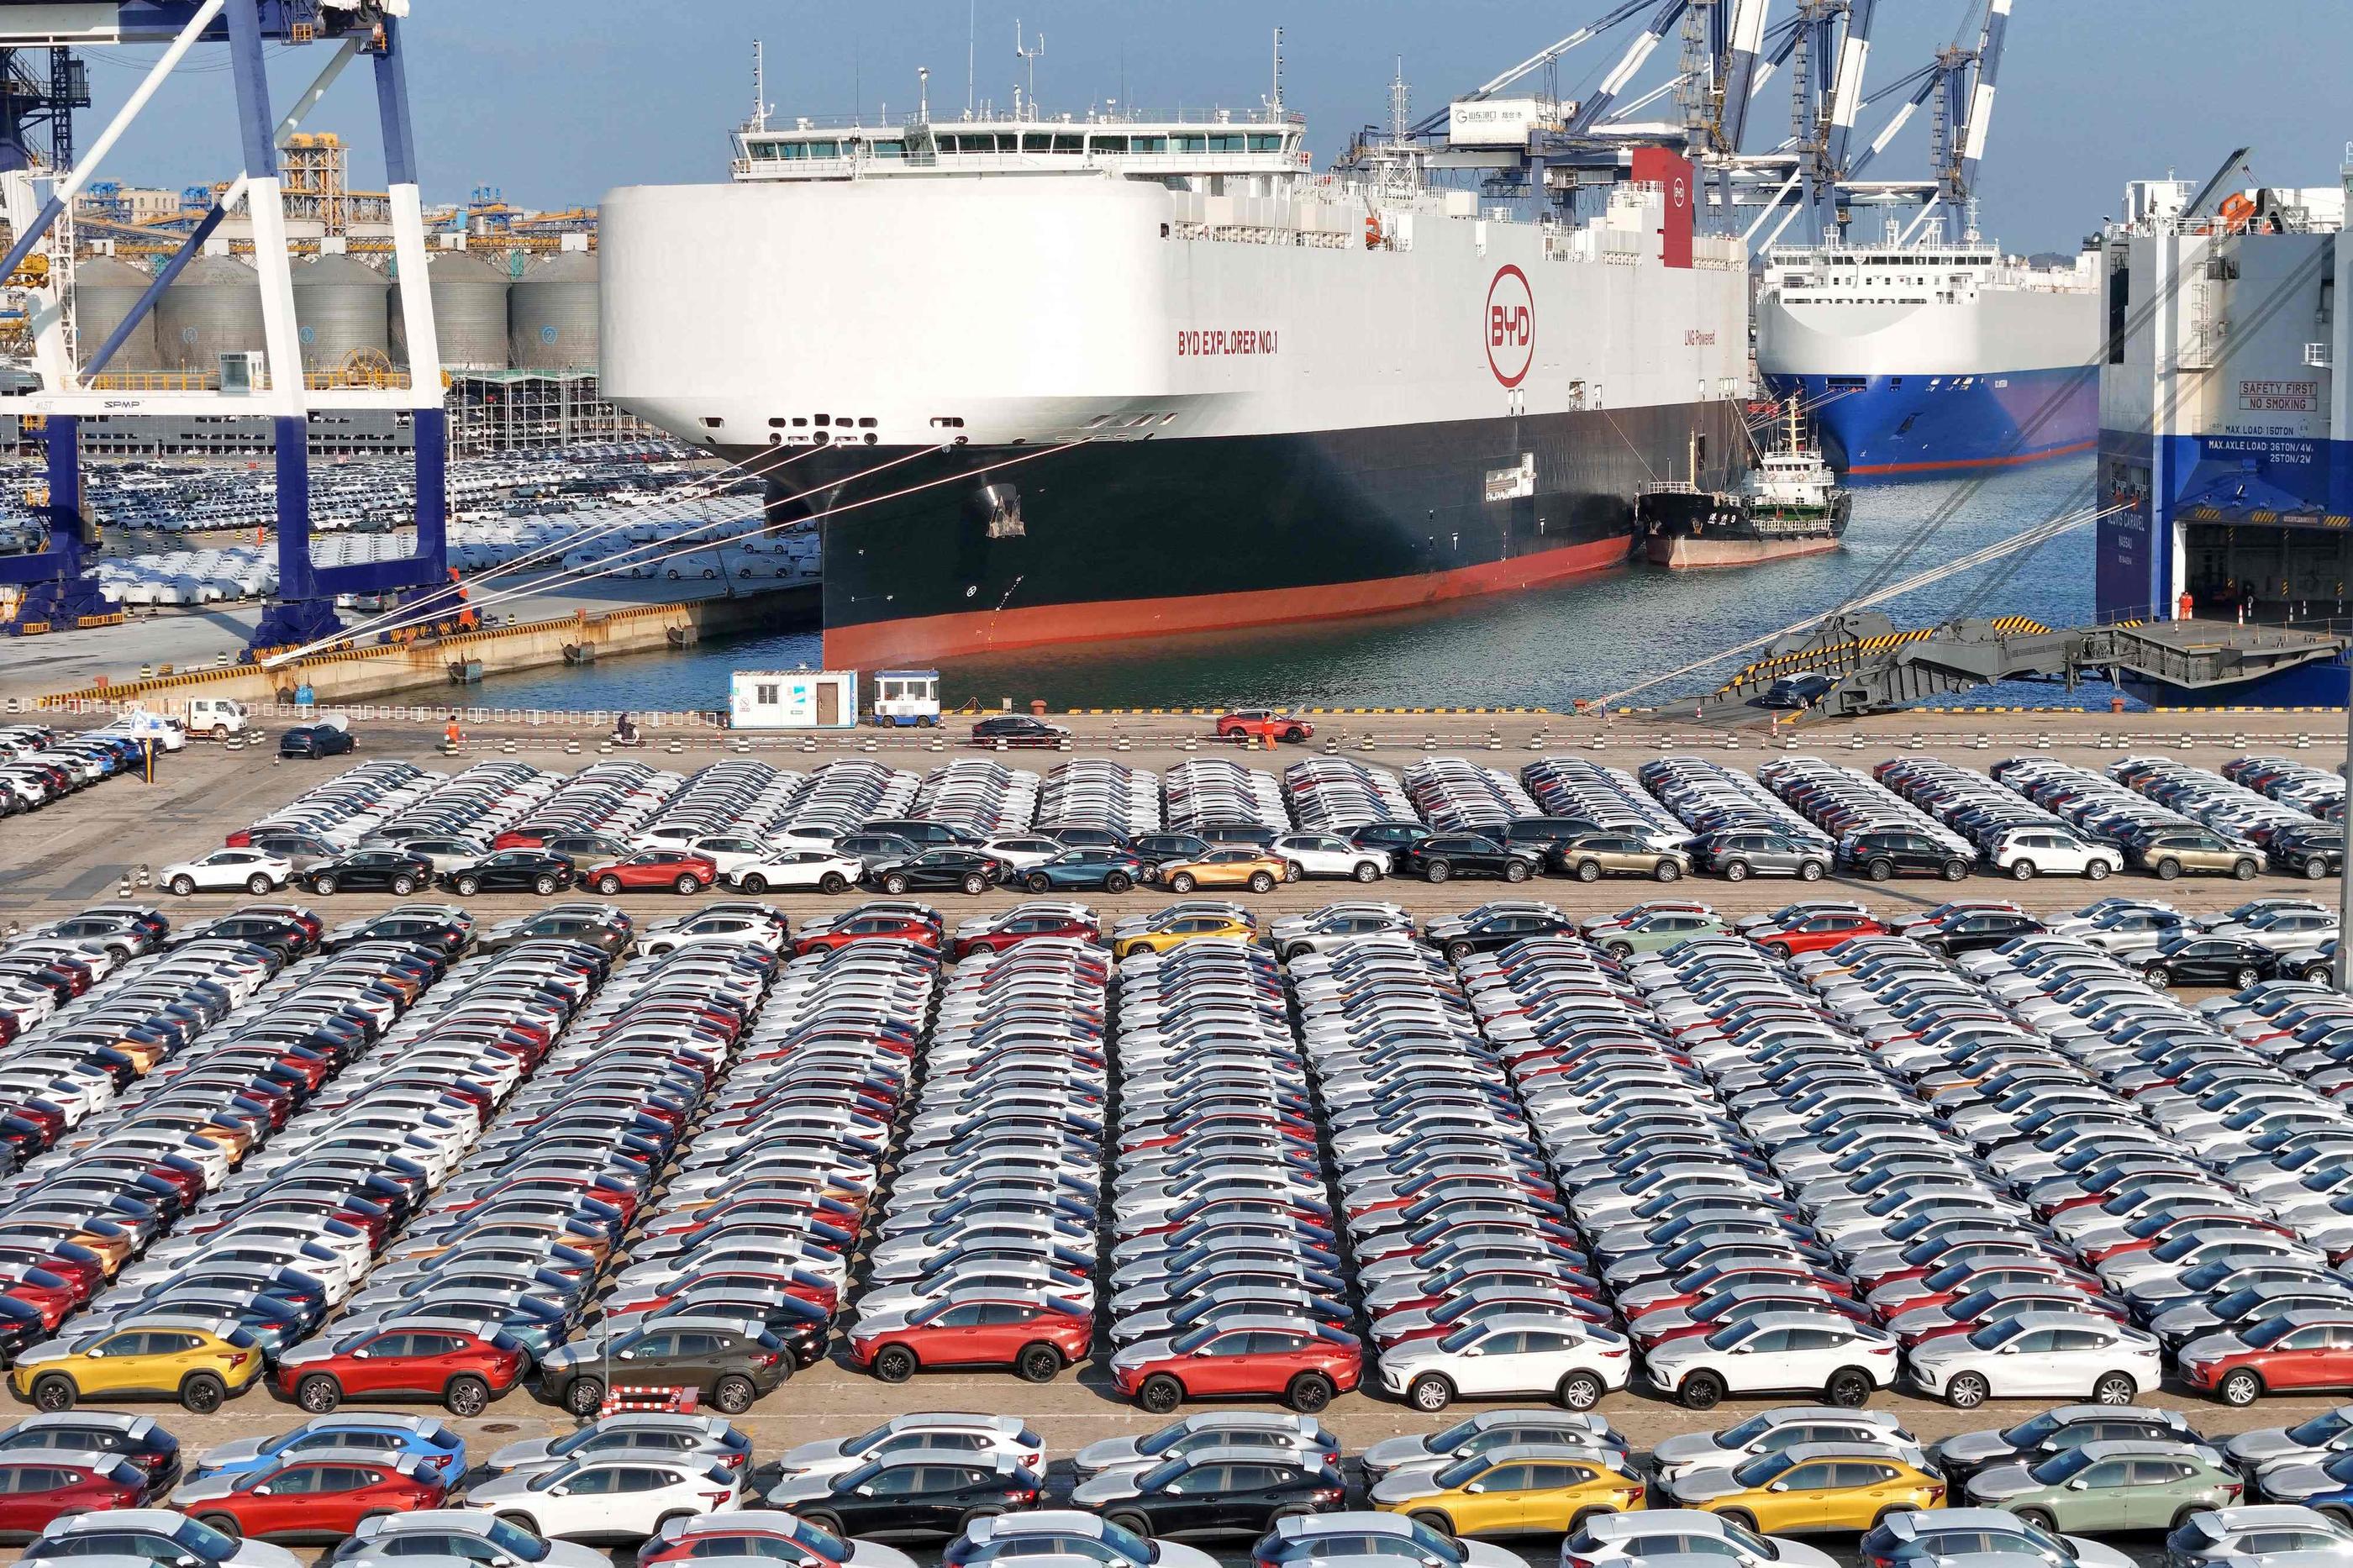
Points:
(1047, 378)
(1926, 357)
(2226, 448)
(1790, 503)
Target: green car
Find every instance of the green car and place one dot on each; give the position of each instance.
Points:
(2111, 1485)
(1651, 933)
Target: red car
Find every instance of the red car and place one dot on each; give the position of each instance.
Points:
(2306, 1351)
(1275, 1359)
(1262, 724)
(463, 1370)
(867, 925)
(1037, 1336)
(649, 869)
(1815, 932)
(37, 1487)
(323, 1495)
(1025, 923)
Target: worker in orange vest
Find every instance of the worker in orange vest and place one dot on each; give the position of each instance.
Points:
(452, 734)
(2187, 605)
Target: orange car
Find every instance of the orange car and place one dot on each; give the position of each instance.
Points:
(1263, 724)
(1260, 870)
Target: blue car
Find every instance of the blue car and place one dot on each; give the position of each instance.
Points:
(430, 1443)
(1092, 868)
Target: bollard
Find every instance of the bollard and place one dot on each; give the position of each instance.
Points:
(1365, 745)
(938, 744)
(1495, 741)
(1732, 742)
(2042, 742)
(1430, 743)
(510, 747)
(571, 748)
(808, 743)
(1121, 744)
(1192, 743)
(146, 878)
(2304, 742)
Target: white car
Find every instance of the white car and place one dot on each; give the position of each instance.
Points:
(2026, 853)
(1683, 1535)
(227, 869)
(1329, 854)
(455, 1534)
(706, 1439)
(2041, 1355)
(1769, 1431)
(1023, 851)
(796, 870)
(1777, 1352)
(625, 1495)
(1513, 1353)
(158, 1534)
(960, 1431)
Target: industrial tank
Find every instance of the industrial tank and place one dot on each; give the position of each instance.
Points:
(469, 312)
(338, 310)
(104, 291)
(553, 313)
(212, 309)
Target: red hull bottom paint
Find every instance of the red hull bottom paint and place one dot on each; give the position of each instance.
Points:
(881, 643)
(2013, 460)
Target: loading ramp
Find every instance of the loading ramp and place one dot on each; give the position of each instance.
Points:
(1879, 668)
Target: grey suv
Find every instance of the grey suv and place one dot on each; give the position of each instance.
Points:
(1743, 852)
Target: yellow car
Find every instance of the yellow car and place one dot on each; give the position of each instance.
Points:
(1260, 870)
(1190, 928)
(200, 1361)
(1808, 1486)
(1546, 1488)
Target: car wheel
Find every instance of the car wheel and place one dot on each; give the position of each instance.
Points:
(183, 885)
(2243, 870)
(1700, 1391)
(1880, 870)
(585, 1395)
(1515, 870)
(2167, 868)
(2096, 871)
(466, 1395)
(1666, 870)
(1456, 952)
(1368, 872)
(1134, 1522)
(1437, 870)
(219, 731)
(1589, 870)
(975, 884)
(2239, 1389)
(2245, 976)
(256, 884)
(2021, 871)
(1955, 869)
(1967, 1391)
(224, 1522)
(1039, 1363)
(964, 1525)
(402, 886)
(323, 886)
(2116, 1388)
(894, 885)
(1182, 882)
(609, 886)
(732, 1395)
(819, 1519)
(53, 1393)
(1115, 882)
(1293, 870)
(1738, 1516)
(1262, 882)
(1777, 948)
(467, 887)
(831, 882)
(1309, 1392)
(2158, 974)
(202, 1393)
(543, 886)
(1037, 883)
(1735, 870)
(1578, 1391)
(688, 884)
(318, 1394)
(1810, 870)
(1294, 734)
(1885, 1514)
(1160, 1393)
(894, 1363)
(1429, 1393)
(1622, 949)
(1430, 1518)
(521, 1521)
(1849, 1389)
(2041, 1518)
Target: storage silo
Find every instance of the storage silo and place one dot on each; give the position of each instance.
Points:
(104, 291)
(338, 310)
(469, 311)
(213, 308)
(553, 313)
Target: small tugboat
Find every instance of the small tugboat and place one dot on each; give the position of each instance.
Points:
(1790, 503)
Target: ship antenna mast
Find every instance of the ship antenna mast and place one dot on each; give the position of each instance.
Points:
(1401, 103)
(1275, 103)
(1028, 58)
(971, 46)
(759, 85)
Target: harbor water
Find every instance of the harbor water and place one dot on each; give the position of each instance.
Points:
(1546, 648)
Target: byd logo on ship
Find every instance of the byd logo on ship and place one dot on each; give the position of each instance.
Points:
(1511, 326)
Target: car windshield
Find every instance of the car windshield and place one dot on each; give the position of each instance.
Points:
(1454, 1437)
(2028, 1433)
(1464, 1336)
(2266, 1331)
(1461, 1471)
(1761, 1469)
(1196, 1340)
(1745, 1433)
(2322, 1428)
(2060, 1466)
(1997, 1334)
(1159, 1476)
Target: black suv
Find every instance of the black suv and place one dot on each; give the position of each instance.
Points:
(1444, 854)
(371, 870)
(935, 868)
(1485, 930)
(2210, 961)
(1888, 852)
(1018, 729)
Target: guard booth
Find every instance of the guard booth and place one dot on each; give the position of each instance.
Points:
(907, 697)
(794, 700)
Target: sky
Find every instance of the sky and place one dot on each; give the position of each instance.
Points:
(555, 101)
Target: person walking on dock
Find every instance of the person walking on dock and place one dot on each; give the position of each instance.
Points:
(452, 736)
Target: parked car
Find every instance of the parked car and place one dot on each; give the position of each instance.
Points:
(509, 870)
(1018, 730)
(256, 871)
(676, 869)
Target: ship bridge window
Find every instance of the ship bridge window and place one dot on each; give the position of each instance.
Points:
(1108, 143)
(1228, 144)
(1037, 142)
(1189, 143)
(1147, 143)
(888, 149)
(1270, 144)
